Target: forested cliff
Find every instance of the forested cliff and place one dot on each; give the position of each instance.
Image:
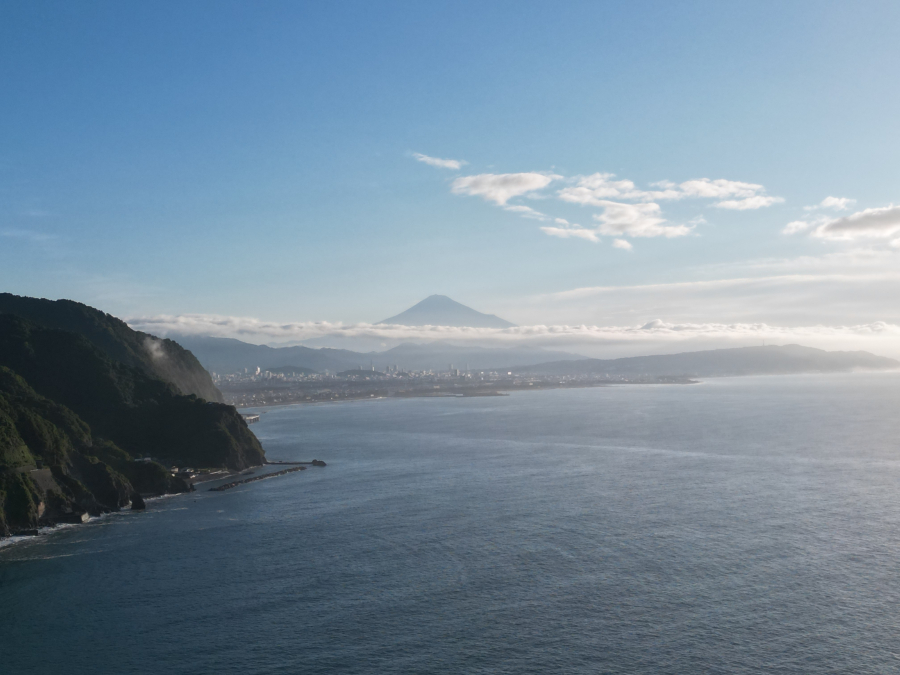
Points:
(82, 395)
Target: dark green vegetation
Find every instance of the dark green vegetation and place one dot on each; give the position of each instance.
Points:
(770, 360)
(77, 406)
(163, 359)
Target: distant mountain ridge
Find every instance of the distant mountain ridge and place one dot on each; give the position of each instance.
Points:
(439, 310)
(769, 360)
(227, 355)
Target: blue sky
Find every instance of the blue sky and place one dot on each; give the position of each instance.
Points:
(258, 160)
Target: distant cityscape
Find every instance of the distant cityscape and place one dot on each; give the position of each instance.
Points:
(252, 387)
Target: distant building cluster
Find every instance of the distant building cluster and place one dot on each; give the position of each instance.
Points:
(258, 374)
(253, 387)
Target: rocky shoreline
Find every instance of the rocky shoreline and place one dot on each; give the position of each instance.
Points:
(91, 423)
(139, 502)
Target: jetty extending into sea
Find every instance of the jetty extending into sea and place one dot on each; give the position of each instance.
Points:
(296, 466)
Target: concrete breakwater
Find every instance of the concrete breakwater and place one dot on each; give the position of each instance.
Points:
(228, 486)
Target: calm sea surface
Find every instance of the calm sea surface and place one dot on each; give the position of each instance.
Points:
(736, 526)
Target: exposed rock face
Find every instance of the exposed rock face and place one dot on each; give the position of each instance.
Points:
(73, 417)
(19, 501)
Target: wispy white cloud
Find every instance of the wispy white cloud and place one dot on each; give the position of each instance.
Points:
(720, 188)
(748, 203)
(636, 220)
(594, 189)
(796, 226)
(526, 212)
(833, 203)
(454, 164)
(27, 235)
(627, 211)
(681, 286)
(571, 232)
(732, 194)
(500, 188)
(644, 218)
(837, 293)
(850, 261)
(622, 244)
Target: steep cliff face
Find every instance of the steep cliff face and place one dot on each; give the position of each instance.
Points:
(47, 465)
(72, 418)
(140, 414)
(158, 358)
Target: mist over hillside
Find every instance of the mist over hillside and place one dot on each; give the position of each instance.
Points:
(156, 357)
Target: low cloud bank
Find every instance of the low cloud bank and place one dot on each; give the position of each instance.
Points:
(645, 338)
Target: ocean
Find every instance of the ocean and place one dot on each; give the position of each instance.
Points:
(739, 525)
